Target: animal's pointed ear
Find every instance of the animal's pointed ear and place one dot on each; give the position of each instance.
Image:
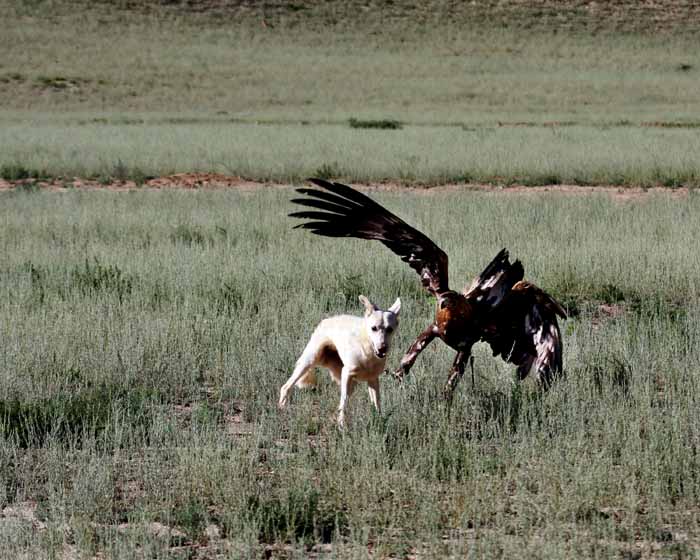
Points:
(396, 308)
(369, 306)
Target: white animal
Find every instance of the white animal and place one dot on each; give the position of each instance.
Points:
(353, 348)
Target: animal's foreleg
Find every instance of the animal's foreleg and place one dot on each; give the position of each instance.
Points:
(456, 373)
(373, 389)
(425, 338)
(346, 388)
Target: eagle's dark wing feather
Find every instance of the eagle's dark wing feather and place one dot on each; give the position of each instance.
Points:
(491, 286)
(523, 329)
(346, 212)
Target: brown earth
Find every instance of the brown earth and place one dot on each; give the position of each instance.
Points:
(213, 181)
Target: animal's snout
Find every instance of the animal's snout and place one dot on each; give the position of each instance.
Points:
(381, 351)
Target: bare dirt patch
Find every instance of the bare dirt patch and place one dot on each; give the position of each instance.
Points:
(214, 181)
(607, 312)
(22, 514)
(619, 193)
(192, 181)
(203, 181)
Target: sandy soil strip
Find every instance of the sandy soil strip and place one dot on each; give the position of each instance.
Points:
(198, 181)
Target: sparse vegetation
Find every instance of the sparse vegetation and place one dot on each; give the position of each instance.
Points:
(480, 91)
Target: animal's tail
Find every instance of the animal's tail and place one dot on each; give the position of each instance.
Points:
(308, 379)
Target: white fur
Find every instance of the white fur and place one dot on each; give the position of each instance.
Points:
(352, 348)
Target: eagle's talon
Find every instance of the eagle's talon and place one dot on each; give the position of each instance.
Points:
(448, 393)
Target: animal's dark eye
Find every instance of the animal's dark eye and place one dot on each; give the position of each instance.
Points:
(389, 329)
(375, 329)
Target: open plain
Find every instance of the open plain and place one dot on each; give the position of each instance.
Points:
(153, 297)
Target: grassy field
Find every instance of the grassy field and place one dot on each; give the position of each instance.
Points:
(496, 92)
(145, 337)
(427, 155)
(145, 334)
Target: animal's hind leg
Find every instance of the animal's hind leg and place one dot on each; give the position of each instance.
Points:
(456, 373)
(425, 338)
(303, 366)
(309, 379)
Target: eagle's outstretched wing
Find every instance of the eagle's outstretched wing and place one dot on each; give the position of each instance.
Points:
(344, 212)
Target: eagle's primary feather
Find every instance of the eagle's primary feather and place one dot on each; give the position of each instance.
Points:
(348, 213)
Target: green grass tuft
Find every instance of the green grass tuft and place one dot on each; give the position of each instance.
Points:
(93, 277)
(69, 418)
(381, 124)
(17, 172)
(299, 516)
